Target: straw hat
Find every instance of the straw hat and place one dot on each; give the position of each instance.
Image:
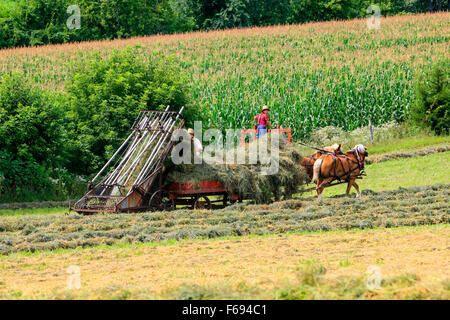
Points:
(191, 131)
(265, 108)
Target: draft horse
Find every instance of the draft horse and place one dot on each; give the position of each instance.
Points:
(308, 161)
(342, 167)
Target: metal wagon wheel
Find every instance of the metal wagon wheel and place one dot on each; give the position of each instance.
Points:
(202, 202)
(228, 198)
(160, 200)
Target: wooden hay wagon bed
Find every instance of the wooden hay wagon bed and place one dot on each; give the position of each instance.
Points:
(205, 195)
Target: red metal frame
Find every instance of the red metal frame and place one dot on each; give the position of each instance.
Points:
(253, 131)
(187, 193)
(189, 189)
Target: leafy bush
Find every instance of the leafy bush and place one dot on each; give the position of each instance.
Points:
(31, 128)
(32, 132)
(106, 95)
(432, 106)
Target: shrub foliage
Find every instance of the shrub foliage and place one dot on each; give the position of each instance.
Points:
(48, 138)
(105, 95)
(432, 105)
(31, 134)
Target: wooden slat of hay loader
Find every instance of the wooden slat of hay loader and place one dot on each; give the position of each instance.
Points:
(127, 178)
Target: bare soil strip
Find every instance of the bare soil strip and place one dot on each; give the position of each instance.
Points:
(265, 262)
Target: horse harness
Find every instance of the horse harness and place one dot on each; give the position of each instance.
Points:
(321, 153)
(360, 166)
(311, 158)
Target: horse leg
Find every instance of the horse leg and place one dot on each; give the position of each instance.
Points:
(320, 190)
(358, 194)
(349, 185)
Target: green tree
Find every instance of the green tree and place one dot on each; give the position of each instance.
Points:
(106, 94)
(233, 15)
(185, 19)
(32, 136)
(432, 105)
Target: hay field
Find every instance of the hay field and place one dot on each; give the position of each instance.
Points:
(403, 207)
(331, 73)
(413, 264)
(295, 249)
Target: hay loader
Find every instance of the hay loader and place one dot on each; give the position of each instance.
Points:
(127, 182)
(132, 180)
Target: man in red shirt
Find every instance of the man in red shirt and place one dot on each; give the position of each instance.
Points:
(262, 120)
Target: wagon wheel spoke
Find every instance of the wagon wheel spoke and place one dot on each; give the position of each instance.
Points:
(202, 202)
(160, 200)
(228, 198)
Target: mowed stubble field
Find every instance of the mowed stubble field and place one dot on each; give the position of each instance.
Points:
(413, 264)
(295, 249)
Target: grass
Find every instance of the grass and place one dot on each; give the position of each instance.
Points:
(316, 71)
(405, 207)
(330, 265)
(181, 242)
(33, 211)
(408, 144)
(399, 173)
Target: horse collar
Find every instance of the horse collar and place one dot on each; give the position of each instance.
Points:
(359, 159)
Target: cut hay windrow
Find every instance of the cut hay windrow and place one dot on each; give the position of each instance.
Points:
(250, 181)
(398, 155)
(426, 205)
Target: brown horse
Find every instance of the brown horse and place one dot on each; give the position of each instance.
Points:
(346, 167)
(308, 161)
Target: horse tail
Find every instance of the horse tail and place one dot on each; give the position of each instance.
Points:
(316, 170)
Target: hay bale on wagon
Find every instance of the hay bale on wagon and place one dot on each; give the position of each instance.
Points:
(248, 180)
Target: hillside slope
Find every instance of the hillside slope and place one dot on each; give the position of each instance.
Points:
(311, 75)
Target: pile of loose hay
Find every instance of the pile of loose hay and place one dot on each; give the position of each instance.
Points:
(398, 155)
(248, 180)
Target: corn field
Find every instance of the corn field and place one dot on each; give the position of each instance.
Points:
(336, 73)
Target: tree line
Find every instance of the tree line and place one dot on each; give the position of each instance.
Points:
(39, 22)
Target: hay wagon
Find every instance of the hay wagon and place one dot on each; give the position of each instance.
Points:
(133, 179)
(205, 195)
